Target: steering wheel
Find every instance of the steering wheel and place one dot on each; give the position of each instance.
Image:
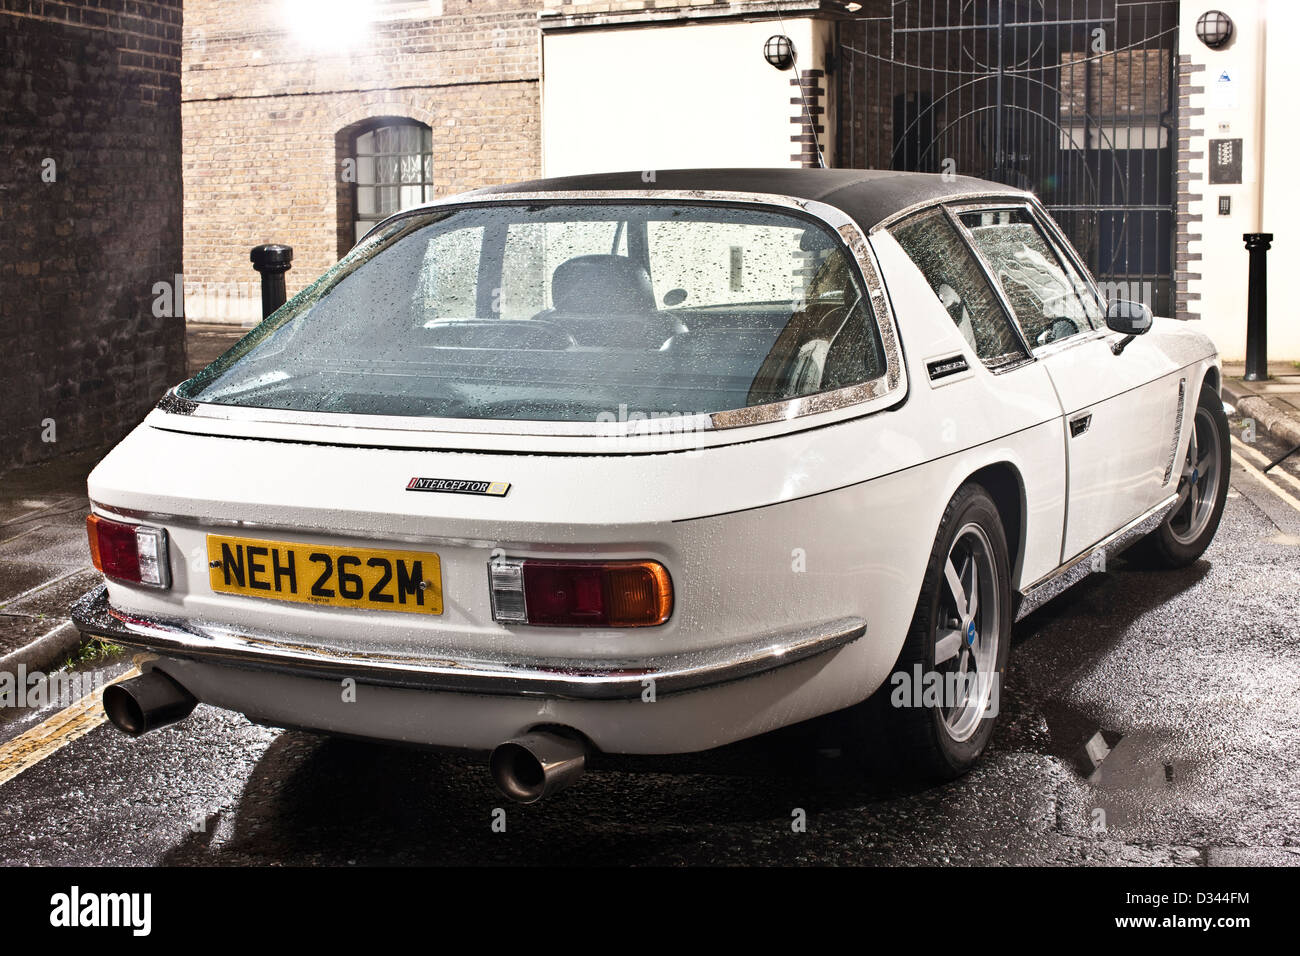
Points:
(1059, 329)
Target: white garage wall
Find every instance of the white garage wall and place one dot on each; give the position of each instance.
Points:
(1281, 186)
(1255, 105)
(664, 97)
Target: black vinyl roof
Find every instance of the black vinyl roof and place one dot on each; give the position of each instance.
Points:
(868, 196)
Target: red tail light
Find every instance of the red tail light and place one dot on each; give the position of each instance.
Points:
(129, 552)
(581, 593)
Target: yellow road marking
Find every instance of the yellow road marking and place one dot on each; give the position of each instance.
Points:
(1279, 472)
(54, 733)
(1264, 479)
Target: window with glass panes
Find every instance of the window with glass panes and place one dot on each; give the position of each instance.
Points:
(394, 171)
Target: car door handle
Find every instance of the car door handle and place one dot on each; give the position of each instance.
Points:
(1079, 424)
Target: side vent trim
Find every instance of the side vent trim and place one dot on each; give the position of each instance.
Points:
(1178, 430)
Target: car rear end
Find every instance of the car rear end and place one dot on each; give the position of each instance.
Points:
(409, 507)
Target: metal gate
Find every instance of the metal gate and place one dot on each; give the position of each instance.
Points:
(1075, 100)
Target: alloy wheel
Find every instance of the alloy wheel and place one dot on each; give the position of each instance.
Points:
(967, 631)
(1199, 482)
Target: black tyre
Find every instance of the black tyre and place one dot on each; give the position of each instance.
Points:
(1202, 491)
(957, 647)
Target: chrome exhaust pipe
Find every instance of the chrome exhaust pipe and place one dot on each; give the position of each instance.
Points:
(147, 702)
(536, 765)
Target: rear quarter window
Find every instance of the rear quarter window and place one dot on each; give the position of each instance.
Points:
(957, 279)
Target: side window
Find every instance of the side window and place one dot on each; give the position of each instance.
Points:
(1096, 311)
(1043, 290)
(957, 279)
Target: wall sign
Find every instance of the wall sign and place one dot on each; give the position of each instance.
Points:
(1224, 95)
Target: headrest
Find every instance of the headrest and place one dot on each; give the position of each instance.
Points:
(589, 285)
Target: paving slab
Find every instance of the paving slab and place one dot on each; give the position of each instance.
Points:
(1274, 403)
(44, 561)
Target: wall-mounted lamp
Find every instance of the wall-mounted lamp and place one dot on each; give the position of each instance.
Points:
(1214, 29)
(779, 51)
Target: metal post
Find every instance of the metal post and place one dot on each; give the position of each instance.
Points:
(997, 111)
(272, 261)
(1257, 306)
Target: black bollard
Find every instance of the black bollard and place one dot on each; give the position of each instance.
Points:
(1257, 306)
(272, 261)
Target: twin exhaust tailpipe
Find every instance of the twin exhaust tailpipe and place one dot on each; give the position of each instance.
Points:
(525, 769)
(147, 702)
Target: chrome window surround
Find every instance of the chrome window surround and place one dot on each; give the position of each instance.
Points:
(1057, 242)
(867, 397)
(990, 202)
(994, 286)
(1010, 196)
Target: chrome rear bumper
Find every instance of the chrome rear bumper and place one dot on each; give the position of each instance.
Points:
(511, 676)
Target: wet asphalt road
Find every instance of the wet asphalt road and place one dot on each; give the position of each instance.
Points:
(1192, 677)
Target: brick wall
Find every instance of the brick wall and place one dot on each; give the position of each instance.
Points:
(89, 99)
(268, 118)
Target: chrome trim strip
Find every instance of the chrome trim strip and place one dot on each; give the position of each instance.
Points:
(1010, 196)
(606, 195)
(442, 670)
(868, 394)
(173, 403)
(1178, 430)
(205, 523)
(1049, 349)
(1079, 567)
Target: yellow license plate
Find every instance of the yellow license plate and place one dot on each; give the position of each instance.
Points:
(335, 577)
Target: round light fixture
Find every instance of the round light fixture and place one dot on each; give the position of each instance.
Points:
(779, 51)
(1214, 29)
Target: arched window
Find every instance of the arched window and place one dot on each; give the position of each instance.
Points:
(394, 170)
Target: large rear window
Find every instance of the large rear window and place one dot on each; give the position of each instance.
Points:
(564, 312)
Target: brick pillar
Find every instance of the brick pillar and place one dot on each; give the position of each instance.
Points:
(1191, 124)
(810, 108)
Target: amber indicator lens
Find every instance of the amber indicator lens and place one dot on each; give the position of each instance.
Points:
(582, 593)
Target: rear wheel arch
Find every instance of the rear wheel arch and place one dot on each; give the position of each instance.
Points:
(1003, 482)
(919, 730)
(1005, 486)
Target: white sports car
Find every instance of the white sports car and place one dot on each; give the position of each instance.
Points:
(600, 464)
